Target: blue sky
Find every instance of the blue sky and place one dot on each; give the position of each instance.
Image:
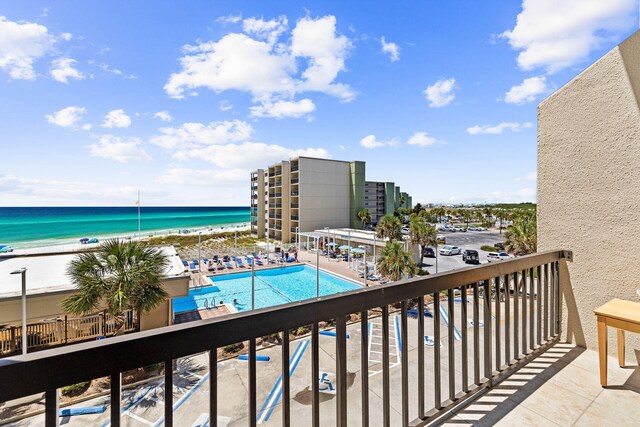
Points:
(182, 100)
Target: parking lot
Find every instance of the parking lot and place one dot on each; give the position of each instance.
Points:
(465, 240)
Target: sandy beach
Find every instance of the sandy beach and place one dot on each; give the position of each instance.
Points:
(77, 246)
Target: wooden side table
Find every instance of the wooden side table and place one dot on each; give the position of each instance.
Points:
(620, 314)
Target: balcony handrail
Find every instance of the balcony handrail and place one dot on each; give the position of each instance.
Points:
(51, 369)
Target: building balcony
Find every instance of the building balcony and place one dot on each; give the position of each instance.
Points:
(473, 346)
(295, 193)
(275, 205)
(295, 217)
(295, 180)
(275, 195)
(295, 205)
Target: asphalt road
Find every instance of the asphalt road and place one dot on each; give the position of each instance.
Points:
(466, 240)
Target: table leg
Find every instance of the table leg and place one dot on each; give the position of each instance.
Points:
(602, 350)
(621, 347)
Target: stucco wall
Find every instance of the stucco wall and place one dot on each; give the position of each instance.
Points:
(589, 187)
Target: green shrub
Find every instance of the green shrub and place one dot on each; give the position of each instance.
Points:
(75, 389)
(153, 368)
(488, 248)
(233, 348)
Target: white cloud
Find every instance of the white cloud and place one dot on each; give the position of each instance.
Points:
(21, 44)
(229, 19)
(19, 191)
(270, 71)
(555, 35)
(392, 49)
(246, 155)
(498, 129)
(326, 52)
(62, 69)
(108, 69)
(67, 117)
(225, 105)
(202, 177)
(282, 109)
(192, 134)
(440, 93)
(371, 142)
(269, 31)
(116, 119)
(119, 149)
(421, 139)
(531, 176)
(66, 36)
(163, 115)
(527, 91)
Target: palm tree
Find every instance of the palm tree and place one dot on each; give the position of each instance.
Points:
(466, 214)
(521, 236)
(365, 217)
(394, 262)
(439, 212)
(389, 227)
(119, 276)
(422, 234)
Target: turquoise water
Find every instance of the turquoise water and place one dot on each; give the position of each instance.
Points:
(37, 226)
(272, 287)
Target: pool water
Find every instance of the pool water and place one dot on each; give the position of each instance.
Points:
(272, 287)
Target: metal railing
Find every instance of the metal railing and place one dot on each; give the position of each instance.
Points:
(508, 312)
(59, 331)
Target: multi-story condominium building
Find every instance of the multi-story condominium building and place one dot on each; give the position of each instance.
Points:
(304, 194)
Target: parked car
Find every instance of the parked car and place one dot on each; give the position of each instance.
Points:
(472, 228)
(497, 256)
(499, 245)
(441, 238)
(470, 256)
(429, 253)
(450, 250)
(481, 229)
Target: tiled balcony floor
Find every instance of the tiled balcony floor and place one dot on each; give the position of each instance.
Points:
(561, 387)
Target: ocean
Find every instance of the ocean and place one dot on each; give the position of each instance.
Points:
(44, 226)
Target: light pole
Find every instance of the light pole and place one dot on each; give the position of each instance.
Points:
(235, 245)
(317, 272)
(326, 247)
(199, 248)
(375, 263)
(23, 272)
(297, 238)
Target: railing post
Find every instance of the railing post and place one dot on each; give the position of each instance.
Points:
(51, 418)
(66, 329)
(488, 372)
(341, 368)
(315, 375)
(404, 349)
(286, 389)
(253, 410)
(213, 387)
(364, 365)
(437, 399)
(116, 398)
(13, 346)
(168, 393)
(386, 408)
(421, 356)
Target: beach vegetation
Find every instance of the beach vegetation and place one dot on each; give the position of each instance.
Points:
(365, 217)
(395, 262)
(390, 228)
(521, 237)
(119, 276)
(421, 233)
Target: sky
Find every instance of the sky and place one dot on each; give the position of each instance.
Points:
(181, 100)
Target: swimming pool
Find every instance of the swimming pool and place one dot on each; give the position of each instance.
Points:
(272, 287)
